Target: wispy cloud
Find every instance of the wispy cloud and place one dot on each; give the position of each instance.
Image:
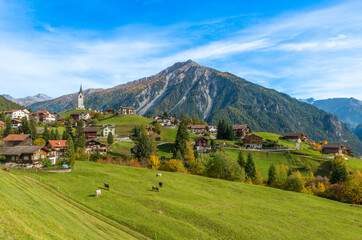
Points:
(315, 53)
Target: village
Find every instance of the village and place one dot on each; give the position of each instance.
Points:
(21, 148)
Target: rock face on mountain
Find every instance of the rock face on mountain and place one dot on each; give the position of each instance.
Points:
(28, 100)
(193, 89)
(349, 110)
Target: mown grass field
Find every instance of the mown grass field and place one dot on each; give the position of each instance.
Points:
(31, 211)
(60, 129)
(193, 207)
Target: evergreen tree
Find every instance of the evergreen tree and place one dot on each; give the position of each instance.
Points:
(69, 151)
(8, 128)
(241, 160)
(110, 138)
(79, 143)
(33, 131)
(250, 168)
(25, 127)
(271, 175)
(68, 129)
(57, 135)
(220, 129)
(143, 148)
(229, 134)
(52, 135)
(196, 119)
(46, 134)
(179, 156)
(181, 138)
(165, 115)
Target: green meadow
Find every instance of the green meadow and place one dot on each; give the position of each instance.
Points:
(194, 207)
(30, 210)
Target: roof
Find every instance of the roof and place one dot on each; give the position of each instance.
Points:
(78, 113)
(2, 123)
(130, 108)
(16, 137)
(333, 146)
(294, 134)
(112, 125)
(201, 138)
(196, 126)
(109, 109)
(18, 150)
(90, 129)
(81, 90)
(253, 135)
(58, 143)
(93, 140)
(16, 120)
(347, 147)
(241, 126)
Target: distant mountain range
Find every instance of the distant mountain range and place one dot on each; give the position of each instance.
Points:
(28, 100)
(349, 110)
(189, 88)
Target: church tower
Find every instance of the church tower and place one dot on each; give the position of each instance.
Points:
(80, 99)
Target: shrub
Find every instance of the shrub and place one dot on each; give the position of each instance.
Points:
(295, 182)
(225, 167)
(153, 162)
(2, 159)
(46, 163)
(199, 166)
(173, 165)
(281, 177)
(339, 171)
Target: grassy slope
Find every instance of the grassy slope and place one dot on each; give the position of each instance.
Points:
(31, 211)
(121, 149)
(125, 123)
(193, 207)
(67, 114)
(303, 163)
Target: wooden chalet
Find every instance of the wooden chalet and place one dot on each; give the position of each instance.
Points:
(90, 132)
(76, 116)
(197, 129)
(348, 150)
(253, 141)
(126, 111)
(13, 140)
(295, 137)
(16, 123)
(29, 154)
(241, 131)
(59, 145)
(336, 149)
(201, 144)
(211, 129)
(93, 145)
(109, 111)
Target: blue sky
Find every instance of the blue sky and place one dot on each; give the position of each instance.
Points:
(303, 48)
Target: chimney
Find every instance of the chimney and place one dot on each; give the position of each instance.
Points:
(59, 143)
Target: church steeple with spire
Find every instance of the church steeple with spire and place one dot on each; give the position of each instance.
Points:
(80, 99)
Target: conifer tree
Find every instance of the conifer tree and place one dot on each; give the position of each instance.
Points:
(181, 138)
(110, 138)
(241, 160)
(2, 117)
(46, 134)
(68, 129)
(33, 130)
(271, 175)
(57, 135)
(52, 135)
(339, 171)
(25, 128)
(79, 143)
(250, 168)
(143, 149)
(8, 128)
(69, 151)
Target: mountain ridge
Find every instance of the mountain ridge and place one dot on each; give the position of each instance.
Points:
(29, 100)
(190, 88)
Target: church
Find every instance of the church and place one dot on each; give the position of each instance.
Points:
(80, 99)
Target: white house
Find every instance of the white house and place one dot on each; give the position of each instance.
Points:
(107, 128)
(17, 113)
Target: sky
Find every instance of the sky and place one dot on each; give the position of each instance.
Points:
(302, 48)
